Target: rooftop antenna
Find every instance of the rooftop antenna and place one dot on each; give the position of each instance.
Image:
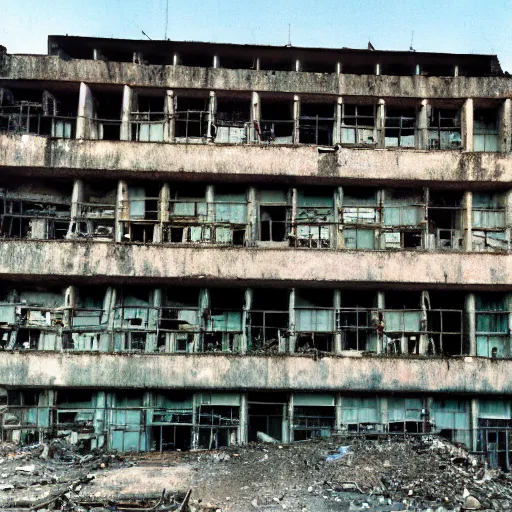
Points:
(411, 49)
(166, 18)
(146, 35)
(289, 35)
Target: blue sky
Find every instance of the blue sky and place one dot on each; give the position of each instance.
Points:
(460, 26)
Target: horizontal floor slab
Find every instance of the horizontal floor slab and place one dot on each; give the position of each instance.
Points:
(53, 157)
(105, 261)
(229, 372)
(52, 68)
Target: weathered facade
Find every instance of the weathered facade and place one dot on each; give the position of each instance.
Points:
(199, 242)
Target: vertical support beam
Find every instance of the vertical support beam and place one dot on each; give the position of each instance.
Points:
(291, 436)
(243, 427)
(468, 221)
(212, 111)
(294, 213)
(467, 125)
(85, 124)
(338, 117)
(70, 298)
(153, 319)
(474, 423)
(339, 68)
(381, 304)
(422, 126)
(253, 135)
(291, 324)
(508, 215)
(204, 304)
(77, 196)
(163, 209)
(456, 70)
(505, 126)
(339, 241)
(170, 117)
(384, 411)
(252, 217)
(338, 413)
(298, 65)
(417, 70)
(296, 119)
(194, 441)
(470, 310)
(379, 238)
(381, 123)
(377, 69)
(99, 420)
(216, 62)
(126, 110)
(210, 198)
(425, 234)
(244, 344)
(122, 209)
(109, 304)
(176, 60)
(257, 64)
(337, 334)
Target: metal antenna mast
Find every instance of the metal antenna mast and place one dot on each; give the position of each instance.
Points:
(166, 18)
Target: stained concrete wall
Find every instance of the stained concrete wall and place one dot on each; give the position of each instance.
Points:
(41, 67)
(288, 267)
(302, 163)
(228, 372)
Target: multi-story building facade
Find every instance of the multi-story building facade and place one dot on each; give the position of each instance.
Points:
(199, 242)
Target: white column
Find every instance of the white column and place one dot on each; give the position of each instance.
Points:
(468, 220)
(216, 62)
(508, 214)
(252, 217)
(422, 127)
(212, 111)
(255, 117)
(381, 305)
(176, 60)
(77, 196)
(377, 69)
(470, 311)
(337, 139)
(122, 209)
(339, 241)
(291, 323)
(243, 427)
(337, 336)
(467, 123)
(248, 296)
(170, 120)
(474, 423)
(127, 109)
(381, 123)
(291, 436)
(298, 65)
(505, 126)
(296, 119)
(85, 124)
(338, 413)
(339, 68)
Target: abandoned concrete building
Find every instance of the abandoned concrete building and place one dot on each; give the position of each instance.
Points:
(200, 242)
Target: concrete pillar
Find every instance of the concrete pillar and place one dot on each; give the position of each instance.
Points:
(216, 62)
(508, 215)
(109, 305)
(468, 221)
(212, 111)
(77, 196)
(339, 68)
(298, 65)
(470, 312)
(381, 123)
(153, 316)
(243, 426)
(291, 436)
(86, 127)
(294, 213)
(474, 423)
(194, 441)
(176, 60)
(455, 70)
(255, 117)
(337, 336)
(245, 341)
(210, 198)
(377, 69)
(338, 413)
(257, 64)
(384, 411)
(296, 119)
(122, 209)
(129, 98)
(170, 119)
(467, 125)
(338, 114)
(505, 126)
(252, 217)
(339, 241)
(291, 324)
(381, 305)
(422, 127)
(70, 297)
(417, 70)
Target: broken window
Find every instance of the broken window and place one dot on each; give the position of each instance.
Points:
(314, 224)
(406, 415)
(191, 119)
(489, 231)
(180, 321)
(358, 124)
(268, 415)
(35, 210)
(492, 326)
(313, 416)
(232, 120)
(360, 215)
(316, 123)
(223, 321)
(444, 128)
(486, 131)
(360, 414)
(357, 321)
(267, 321)
(450, 419)
(445, 215)
(149, 120)
(108, 106)
(140, 213)
(276, 125)
(400, 128)
(126, 422)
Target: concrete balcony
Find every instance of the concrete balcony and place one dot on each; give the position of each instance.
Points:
(60, 157)
(50, 68)
(230, 372)
(103, 262)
